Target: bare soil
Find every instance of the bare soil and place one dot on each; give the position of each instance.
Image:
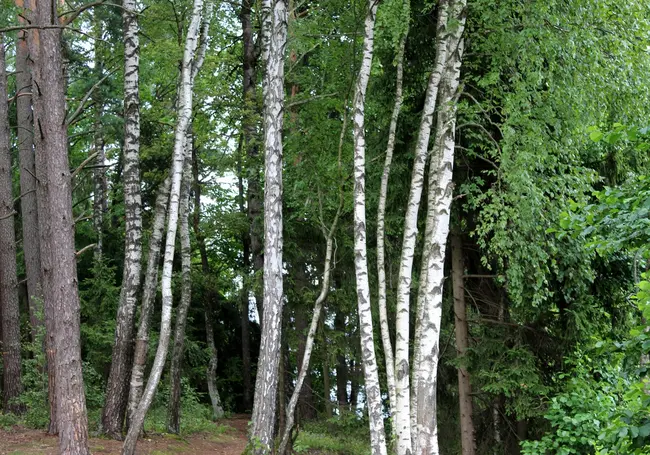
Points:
(23, 441)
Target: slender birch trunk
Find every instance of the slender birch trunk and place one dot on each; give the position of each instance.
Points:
(468, 444)
(175, 370)
(311, 335)
(58, 258)
(184, 114)
(381, 233)
(373, 392)
(439, 197)
(117, 388)
(9, 308)
(28, 204)
(274, 33)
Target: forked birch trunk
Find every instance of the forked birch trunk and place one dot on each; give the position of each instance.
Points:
(117, 387)
(373, 392)
(155, 242)
(402, 368)
(182, 122)
(9, 307)
(148, 299)
(439, 198)
(274, 32)
(381, 231)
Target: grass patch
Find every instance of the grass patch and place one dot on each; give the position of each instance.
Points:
(340, 436)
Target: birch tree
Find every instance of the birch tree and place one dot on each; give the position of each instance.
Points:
(373, 392)
(182, 122)
(381, 214)
(274, 38)
(58, 258)
(117, 388)
(439, 208)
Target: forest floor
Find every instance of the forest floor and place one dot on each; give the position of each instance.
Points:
(228, 438)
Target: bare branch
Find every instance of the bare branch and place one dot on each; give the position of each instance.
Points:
(84, 249)
(84, 100)
(91, 157)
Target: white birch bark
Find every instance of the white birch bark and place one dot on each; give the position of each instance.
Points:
(184, 114)
(381, 232)
(373, 392)
(439, 198)
(263, 418)
(117, 388)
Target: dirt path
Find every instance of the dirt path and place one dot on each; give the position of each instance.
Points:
(223, 441)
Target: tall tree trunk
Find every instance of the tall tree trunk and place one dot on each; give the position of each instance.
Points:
(422, 147)
(28, 205)
(175, 370)
(117, 388)
(381, 213)
(58, 258)
(9, 308)
(100, 204)
(311, 335)
(184, 115)
(251, 147)
(467, 441)
(373, 393)
(274, 34)
(439, 207)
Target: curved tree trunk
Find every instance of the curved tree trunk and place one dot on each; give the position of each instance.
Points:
(11, 362)
(373, 393)
(184, 115)
(58, 258)
(117, 388)
(274, 35)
